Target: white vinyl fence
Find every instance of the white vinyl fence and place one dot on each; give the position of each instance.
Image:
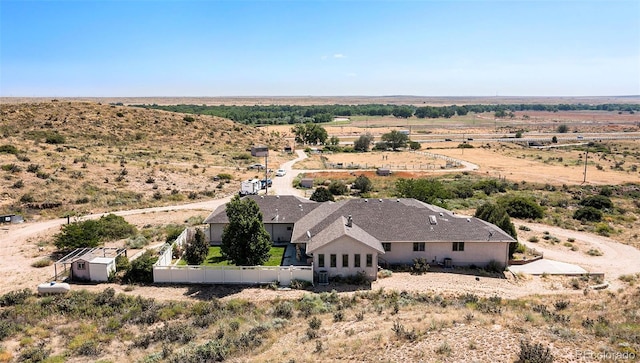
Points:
(165, 272)
(232, 274)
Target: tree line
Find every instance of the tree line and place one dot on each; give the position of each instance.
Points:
(291, 114)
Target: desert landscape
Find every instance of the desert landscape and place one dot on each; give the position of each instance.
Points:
(65, 158)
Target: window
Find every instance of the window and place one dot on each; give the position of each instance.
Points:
(418, 246)
(356, 260)
(386, 246)
(334, 261)
(345, 260)
(81, 266)
(458, 246)
(321, 260)
(369, 260)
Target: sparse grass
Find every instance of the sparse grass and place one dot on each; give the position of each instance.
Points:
(43, 262)
(594, 252)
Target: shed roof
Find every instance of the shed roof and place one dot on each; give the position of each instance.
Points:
(102, 260)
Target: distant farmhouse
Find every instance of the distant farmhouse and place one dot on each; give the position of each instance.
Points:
(355, 235)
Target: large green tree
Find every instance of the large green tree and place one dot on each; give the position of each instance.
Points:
(395, 139)
(245, 242)
(493, 213)
(321, 194)
(363, 142)
(309, 134)
(196, 248)
(91, 233)
(430, 191)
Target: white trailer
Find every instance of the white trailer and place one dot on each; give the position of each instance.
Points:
(251, 186)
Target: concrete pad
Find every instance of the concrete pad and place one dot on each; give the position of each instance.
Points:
(549, 267)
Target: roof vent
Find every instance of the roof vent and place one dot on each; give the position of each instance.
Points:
(366, 200)
(433, 220)
(349, 221)
(262, 197)
(277, 197)
(441, 214)
(300, 206)
(468, 220)
(397, 200)
(380, 200)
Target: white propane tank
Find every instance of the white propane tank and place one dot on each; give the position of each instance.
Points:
(53, 288)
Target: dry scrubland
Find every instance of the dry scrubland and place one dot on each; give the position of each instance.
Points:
(77, 157)
(433, 317)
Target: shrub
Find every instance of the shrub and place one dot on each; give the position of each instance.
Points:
(18, 184)
(420, 266)
(54, 138)
(225, 176)
(594, 252)
(141, 269)
(533, 239)
(494, 266)
(8, 149)
(604, 229)
(590, 214)
(43, 262)
(188, 118)
(561, 304)
(524, 228)
(597, 201)
(15, 297)
(283, 310)
(363, 184)
(338, 187)
(315, 323)
(534, 353)
(322, 194)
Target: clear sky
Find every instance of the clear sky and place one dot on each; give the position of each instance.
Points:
(331, 48)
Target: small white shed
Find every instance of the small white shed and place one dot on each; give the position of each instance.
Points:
(100, 268)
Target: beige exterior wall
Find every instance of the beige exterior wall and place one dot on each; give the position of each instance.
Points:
(475, 253)
(79, 274)
(277, 231)
(346, 246)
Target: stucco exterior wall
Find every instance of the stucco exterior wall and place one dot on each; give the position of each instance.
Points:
(100, 272)
(79, 274)
(349, 246)
(475, 253)
(277, 231)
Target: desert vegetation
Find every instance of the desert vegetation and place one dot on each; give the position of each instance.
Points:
(71, 158)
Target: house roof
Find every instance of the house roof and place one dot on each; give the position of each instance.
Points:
(340, 228)
(399, 220)
(275, 209)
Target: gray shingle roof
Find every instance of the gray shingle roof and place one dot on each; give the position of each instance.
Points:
(338, 229)
(287, 208)
(400, 220)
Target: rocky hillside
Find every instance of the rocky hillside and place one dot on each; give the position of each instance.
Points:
(60, 157)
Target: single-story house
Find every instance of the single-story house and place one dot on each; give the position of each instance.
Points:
(90, 264)
(357, 235)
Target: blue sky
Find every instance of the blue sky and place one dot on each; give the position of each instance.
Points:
(331, 48)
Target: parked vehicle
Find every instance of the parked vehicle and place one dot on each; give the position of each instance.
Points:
(250, 187)
(265, 182)
(256, 166)
(281, 172)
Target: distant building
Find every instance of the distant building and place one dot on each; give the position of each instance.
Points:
(10, 218)
(260, 151)
(383, 171)
(90, 264)
(306, 182)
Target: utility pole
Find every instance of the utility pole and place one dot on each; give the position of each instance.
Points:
(266, 173)
(586, 157)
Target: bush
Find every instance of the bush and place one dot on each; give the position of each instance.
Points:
(420, 266)
(589, 214)
(8, 149)
(338, 187)
(283, 310)
(43, 262)
(141, 269)
(494, 266)
(15, 297)
(188, 118)
(363, 184)
(521, 207)
(534, 353)
(54, 138)
(597, 201)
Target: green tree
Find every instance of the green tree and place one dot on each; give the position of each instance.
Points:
(196, 248)
(563, 129)
(363, 142)
(363, 184)
(338, 187)
(113, 227)
(554, 139)
(245, 242)
(395, 139)
(495, 214)
(309, 134)
(78, 235)
(321, 194)
(500, 114)
(521, 207)
(402, 111)
(334, 140)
